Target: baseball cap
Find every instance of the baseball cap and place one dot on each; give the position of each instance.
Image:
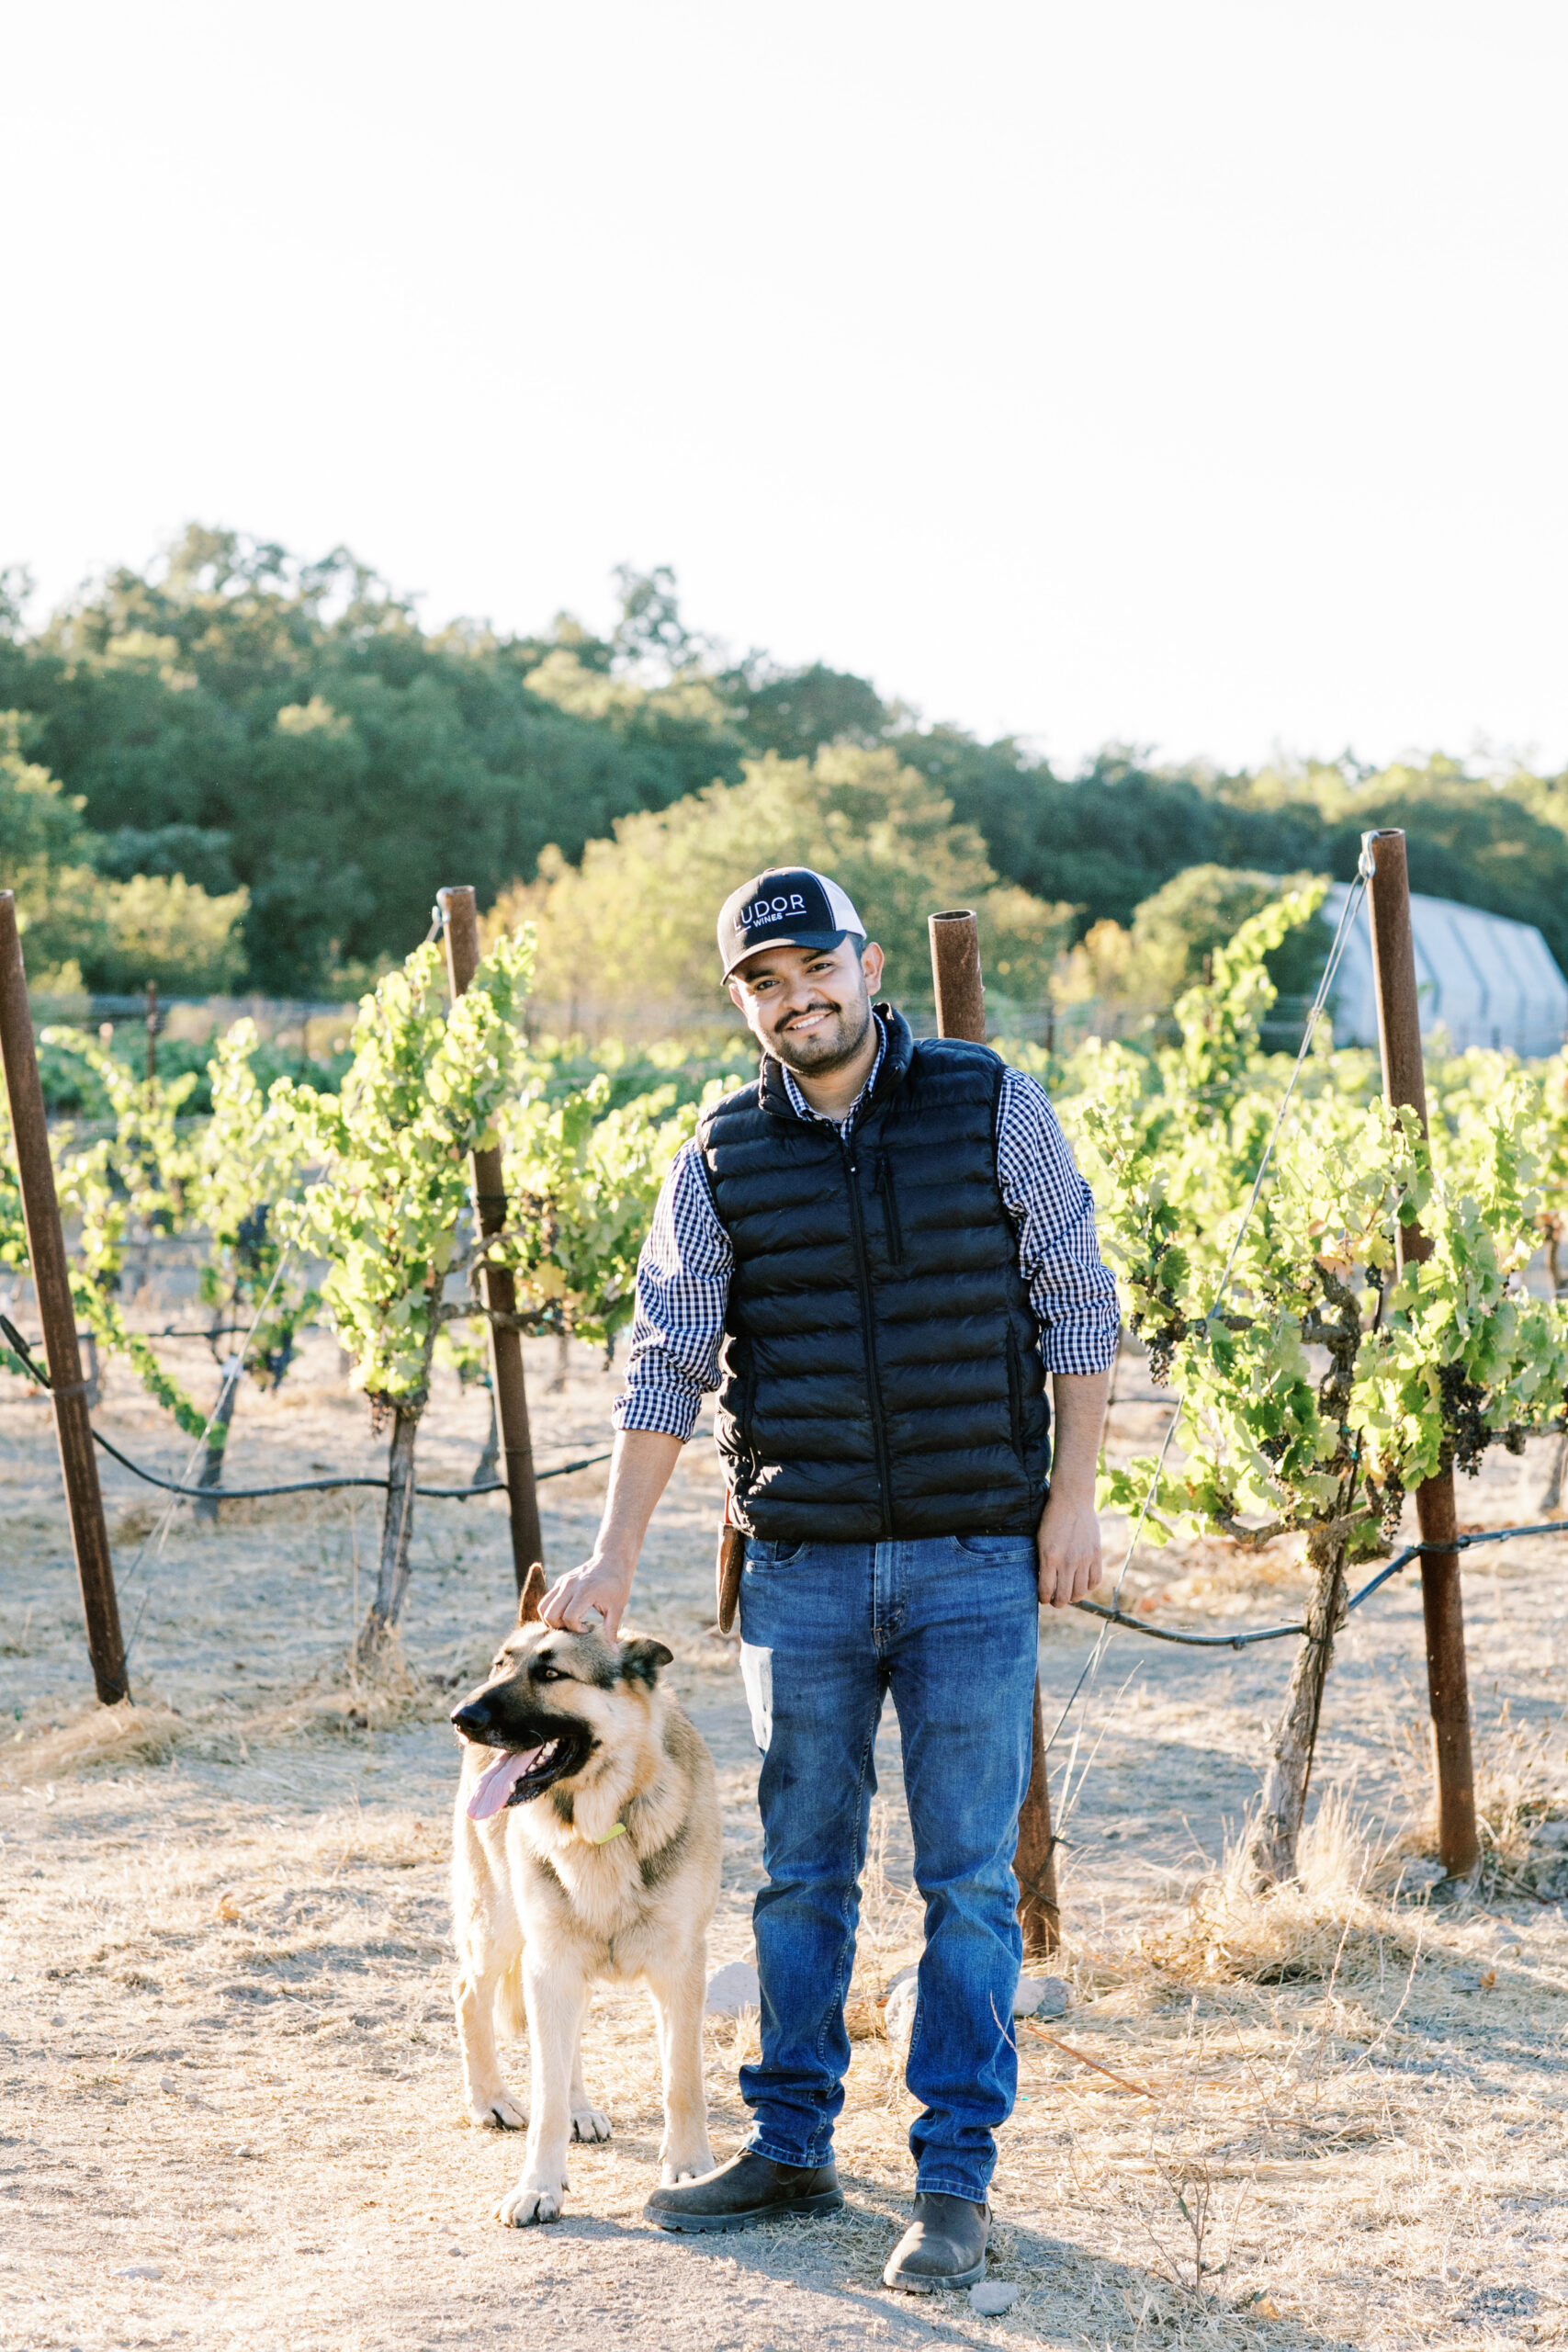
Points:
(789, 906)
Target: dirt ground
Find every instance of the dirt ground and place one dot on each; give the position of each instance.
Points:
(229, 2095)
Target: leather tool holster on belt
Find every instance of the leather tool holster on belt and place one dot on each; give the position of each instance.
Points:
(731, 1562)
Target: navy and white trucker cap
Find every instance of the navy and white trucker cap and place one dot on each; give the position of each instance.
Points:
(787, 907)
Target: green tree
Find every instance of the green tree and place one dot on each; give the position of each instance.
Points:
(85, 930)
(635, 924)
(330, 754)
(247, 719)
(44, 847)
(796, 712)
(1176, 931)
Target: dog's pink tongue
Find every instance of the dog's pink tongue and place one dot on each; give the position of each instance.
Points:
(496, 1784)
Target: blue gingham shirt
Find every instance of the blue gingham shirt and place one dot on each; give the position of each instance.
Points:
(683, 1276)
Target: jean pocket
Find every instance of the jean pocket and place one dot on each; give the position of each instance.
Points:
(760, 1554)
(996, 1547)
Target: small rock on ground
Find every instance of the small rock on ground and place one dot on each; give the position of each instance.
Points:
(1040, 1996)
(993, 2297)
(733, 1988)
(899, 2013)
(1037, 1996)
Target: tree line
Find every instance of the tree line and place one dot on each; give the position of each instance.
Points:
(251, 768)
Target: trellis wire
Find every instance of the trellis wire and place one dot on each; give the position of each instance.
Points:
(232, 1369)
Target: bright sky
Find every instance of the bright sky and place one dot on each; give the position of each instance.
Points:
(1190, 376)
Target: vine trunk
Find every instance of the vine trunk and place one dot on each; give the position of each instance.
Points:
(396, 1529)
(1271, 1856)
(206, 1507)
(486, 1467)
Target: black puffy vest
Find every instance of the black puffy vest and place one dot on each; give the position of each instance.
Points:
(880, 1374)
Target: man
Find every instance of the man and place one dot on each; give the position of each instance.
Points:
(875, 1253)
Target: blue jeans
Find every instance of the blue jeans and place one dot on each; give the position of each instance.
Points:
(949, 1624)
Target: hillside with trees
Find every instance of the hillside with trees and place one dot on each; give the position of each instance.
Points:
(242, 768)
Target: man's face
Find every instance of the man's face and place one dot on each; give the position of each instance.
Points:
(810, 1007)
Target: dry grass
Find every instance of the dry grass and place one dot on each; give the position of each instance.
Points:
(342, 1700)
(92, 1739)
(1339, 1920)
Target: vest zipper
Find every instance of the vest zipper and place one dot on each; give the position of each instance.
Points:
(884, 1184)
(868, 1320)
(747, 1414)
(1015, 1392)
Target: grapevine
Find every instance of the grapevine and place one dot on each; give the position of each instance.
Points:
(1326, 1382)
(122, 1187)
(423, 1090)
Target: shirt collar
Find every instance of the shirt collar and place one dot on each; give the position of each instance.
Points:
(803, 1109)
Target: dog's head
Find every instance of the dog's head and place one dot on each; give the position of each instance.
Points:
(550, 1701)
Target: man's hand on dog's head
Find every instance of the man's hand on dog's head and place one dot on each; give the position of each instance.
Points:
(598, 1587)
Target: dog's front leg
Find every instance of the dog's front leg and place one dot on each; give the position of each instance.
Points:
(678, 1995)
(588, 2121)
(474, 1997)
(489, 1937)
(556, 1993)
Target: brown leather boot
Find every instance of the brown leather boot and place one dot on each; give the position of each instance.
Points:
(944, 2246)
(749, 2189)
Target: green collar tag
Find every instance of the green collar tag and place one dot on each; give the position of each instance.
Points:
(619, 1831)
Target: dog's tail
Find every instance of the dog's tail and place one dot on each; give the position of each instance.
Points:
(511, 2016)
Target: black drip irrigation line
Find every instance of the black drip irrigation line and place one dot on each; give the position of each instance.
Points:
(325, 1486)
(1280, 1632)
(298, 1485)
(218, 1332)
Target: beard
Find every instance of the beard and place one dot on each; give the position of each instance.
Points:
(838, 1041)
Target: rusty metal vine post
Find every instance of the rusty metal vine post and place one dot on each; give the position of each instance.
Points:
(500, 1290)
(1404, 1082)
(961, 1013)
(52, 1281)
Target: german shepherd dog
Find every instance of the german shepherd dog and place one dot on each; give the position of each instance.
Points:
(586, 1846)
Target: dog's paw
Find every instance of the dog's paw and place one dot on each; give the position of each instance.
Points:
(530, 2202)
(499, 2113)
(693, 2164)
(589, 2123)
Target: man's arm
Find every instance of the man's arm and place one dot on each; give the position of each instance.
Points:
(683, 1285)
(639, 1472)
(1068, 1540)
(1072, 1293)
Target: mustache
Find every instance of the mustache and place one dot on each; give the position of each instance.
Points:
(809, 1012)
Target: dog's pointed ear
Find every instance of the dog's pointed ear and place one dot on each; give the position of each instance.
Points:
(640, 1662)
(531, 1594)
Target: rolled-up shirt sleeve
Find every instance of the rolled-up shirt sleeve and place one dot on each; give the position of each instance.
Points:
(682, 1290)
(1070, 1287)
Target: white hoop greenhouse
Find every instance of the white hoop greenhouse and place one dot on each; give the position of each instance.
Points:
(1485, 980)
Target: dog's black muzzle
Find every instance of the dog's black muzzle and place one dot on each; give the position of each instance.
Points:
(498, 1715)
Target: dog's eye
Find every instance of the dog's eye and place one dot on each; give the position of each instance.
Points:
(550, 1674)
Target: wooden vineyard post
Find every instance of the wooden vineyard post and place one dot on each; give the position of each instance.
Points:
(1405, 1081)
(961, 1013)
(955, 975)
(52, 1281)
(501, 1291)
